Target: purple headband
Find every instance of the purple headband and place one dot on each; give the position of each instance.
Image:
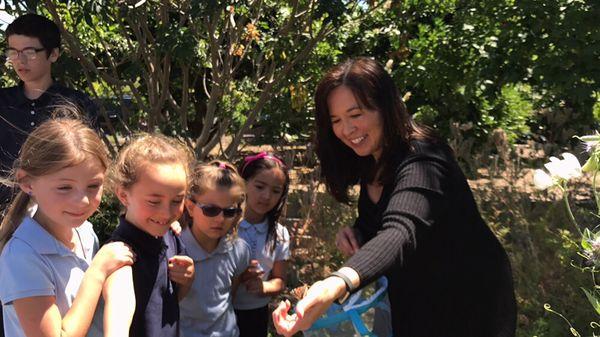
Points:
(261, 155)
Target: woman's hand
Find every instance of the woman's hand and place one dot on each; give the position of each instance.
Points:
(318, 299)
(111, 257)
(346, 241)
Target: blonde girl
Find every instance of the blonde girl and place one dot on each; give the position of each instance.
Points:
(214, 207)
(49, 283)
(150, 179)
(267, 182)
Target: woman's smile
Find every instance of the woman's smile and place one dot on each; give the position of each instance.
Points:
(357, 140)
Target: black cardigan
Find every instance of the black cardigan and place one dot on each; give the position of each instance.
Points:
(448, 274)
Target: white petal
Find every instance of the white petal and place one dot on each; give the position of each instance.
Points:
(571, 159)
(572, 165)
(566, 168)
(554, 159)
(555, 169)
(542, 180)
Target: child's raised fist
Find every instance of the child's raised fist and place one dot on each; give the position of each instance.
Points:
(181, 270)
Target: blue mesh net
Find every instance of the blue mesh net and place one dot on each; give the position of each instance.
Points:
(365, 313)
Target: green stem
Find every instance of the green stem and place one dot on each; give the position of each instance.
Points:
(596, 194)
(570, 212)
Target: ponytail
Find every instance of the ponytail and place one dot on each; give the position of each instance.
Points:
(13, 216)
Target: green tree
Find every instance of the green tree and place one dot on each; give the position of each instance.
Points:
(462, 60)
(195, 69)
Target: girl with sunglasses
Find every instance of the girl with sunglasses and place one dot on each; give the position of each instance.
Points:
(267, 182)
(214, 208)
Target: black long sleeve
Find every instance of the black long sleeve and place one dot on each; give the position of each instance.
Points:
(415, 203)
(448, 274)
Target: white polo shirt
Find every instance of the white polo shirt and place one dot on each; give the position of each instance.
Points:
(256, 237)
(34, 263)
(207, 310)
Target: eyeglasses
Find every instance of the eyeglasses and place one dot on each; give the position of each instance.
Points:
(213, 210)
(29, 53)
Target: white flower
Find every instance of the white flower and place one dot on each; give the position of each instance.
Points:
(595, 243)
(567, 168)
(542, 180)
(558, 171)
(593, 251)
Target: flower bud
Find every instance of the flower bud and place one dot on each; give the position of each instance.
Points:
(590, 165)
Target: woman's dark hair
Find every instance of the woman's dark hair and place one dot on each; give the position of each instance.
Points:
(250, 169)
(37, 26)
(374, 89)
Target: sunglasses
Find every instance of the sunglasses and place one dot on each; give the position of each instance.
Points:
(213, 211)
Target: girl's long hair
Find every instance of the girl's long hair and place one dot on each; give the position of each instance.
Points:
(253, 168)
(56, 144)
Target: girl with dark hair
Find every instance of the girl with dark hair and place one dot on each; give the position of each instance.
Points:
(418, 223)
(267, 182)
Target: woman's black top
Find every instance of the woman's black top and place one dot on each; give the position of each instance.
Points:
(448, 274)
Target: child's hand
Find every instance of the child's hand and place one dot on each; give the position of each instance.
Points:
(253, 271)
(254, 286)
(111, 257)
(181, 270)
(176, 227)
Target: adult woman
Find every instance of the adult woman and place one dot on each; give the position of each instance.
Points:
(418, 223)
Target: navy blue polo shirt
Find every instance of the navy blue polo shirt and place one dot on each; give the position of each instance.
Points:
(157, 308)
(19, 115)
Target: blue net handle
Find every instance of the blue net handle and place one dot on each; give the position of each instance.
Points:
(353, 312)
(358, 324)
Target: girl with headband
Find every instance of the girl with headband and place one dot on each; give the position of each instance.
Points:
(267, 182)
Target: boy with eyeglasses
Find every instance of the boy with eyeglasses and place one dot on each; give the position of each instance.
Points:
(33, 45)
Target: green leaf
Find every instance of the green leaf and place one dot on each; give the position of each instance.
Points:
(585, 244)
(593, 300)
